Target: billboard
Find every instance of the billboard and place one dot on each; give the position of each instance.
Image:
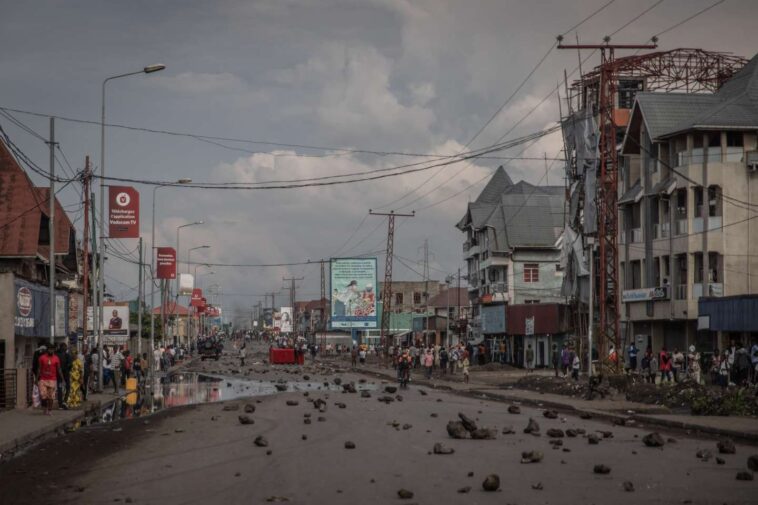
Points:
(493, 319)
(353, 295)
(286, 320)
(116, 321)
(197, 297)
(165, 263)
(123, 212)
(186, 284)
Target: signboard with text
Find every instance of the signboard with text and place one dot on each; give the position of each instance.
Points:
(645, 294)
(123, 212)
(353, 293)
(115, 321)
(165, 263)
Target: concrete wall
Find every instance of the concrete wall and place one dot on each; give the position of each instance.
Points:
(7, 314)
(548, 289)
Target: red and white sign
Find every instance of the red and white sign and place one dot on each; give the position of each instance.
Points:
(123, 215)
(166, 263)
(197, 297)
(24, 301)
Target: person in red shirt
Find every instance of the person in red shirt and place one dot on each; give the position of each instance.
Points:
(49, 374)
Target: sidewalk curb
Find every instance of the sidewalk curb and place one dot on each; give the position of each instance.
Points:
(8, 450)
(639, 419)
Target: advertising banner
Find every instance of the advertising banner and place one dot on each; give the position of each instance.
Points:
(123, 212)
(186, 284)
(353, 295)
(32, 310)
(197, 297)
(116, 321)
(165, 262)
(493, 319)
(286, 319)
(277, 319)
(268, 318)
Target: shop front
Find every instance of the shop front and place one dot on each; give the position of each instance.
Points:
(538, 326)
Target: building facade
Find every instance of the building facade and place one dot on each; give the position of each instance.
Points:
(689, 199)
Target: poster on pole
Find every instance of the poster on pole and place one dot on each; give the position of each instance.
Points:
(123, 212)
(353, 293)
(286, 320)
(165, 262)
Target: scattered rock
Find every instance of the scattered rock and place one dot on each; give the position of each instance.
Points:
(292, 403)
(441, 449)
(269, 452)
(464, 489)
(230, 408)
(305, 437)
(491, 483)
(720, 460)
(261, 441)
(752, 462)
(337, 381)
(467, 422)
(179, 430)
(556, 443)
(281, 387)
(365, 394)
(537, 487)
(555, 433)
(606, 434)
(244, 419)
(704, 454)
(349, 388)
(390, 389)
(404, 494)
(321, 419)
(349, 445)
(386, 399)
(531, 457)
(628, 486)
(306, 377)
(456, 430)
(508, 430)
(550, 414)
(532, 427)
(422, 392)
(726, 446)
(307, 420)
(399, 398)
(571, 433)
(340, 405)
(602, 469)
(249, 408)
(407, 426)
(483, 434)
(433, 414)
(514, 409)
(743, 475)
(585, 415)
(653, 440)
(470, 474)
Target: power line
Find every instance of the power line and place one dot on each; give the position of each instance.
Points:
(688, 19)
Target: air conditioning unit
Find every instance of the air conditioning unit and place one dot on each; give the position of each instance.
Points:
(752, 161)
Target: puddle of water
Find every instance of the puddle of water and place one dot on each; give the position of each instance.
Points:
(194, 388)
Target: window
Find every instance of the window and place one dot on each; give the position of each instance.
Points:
(398, 298)
(734, 139)
(530, 302)
(416, 298)
(558, 268)
(531, 272)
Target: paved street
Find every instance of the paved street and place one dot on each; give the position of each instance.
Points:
(202, 454)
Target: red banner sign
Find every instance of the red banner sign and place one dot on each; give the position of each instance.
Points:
(197, 297)
(165, 263)
(123, 215)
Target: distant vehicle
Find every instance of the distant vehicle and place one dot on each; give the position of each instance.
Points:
(210, 350)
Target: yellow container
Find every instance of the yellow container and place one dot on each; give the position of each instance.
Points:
(131, 388)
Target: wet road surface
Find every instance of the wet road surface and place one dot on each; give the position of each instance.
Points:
(201, 454)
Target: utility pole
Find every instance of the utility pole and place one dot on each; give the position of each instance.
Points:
(387, 287)
(85, 248)
(96, 313)
(323, 307)
(426, 291)
(139, 302)
(51, 230)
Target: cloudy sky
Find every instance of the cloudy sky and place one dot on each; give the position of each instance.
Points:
(412, 76)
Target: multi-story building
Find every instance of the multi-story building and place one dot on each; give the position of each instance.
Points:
(512, 250)
(412, 296)
(689, 199)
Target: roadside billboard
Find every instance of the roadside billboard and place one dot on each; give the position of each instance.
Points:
(123, 212)
(165, 263)
(116, 321)
(286, 320)
(353, 293)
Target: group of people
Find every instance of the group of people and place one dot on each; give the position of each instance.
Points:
(565, 361)
(58, 376)
(736, 365)
(433, 358)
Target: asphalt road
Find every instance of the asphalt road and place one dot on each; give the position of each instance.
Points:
(203, 455)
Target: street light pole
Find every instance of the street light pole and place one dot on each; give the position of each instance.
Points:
(178, 250)
(152, 272)
(101, 260)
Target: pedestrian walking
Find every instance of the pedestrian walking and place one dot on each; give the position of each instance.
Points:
(76, 379)
(724, 369)
(693, 364)
(566, 361)
(677, 364)
(529, 359)
(354, 356)
(575, 365)
(242, 354)
(645, 366)
(50, 373)
(444, 358)
(64, 357)
(556, 359)
(465, 364)
(428, 363)
(116, 362)
(632, 352)
(455, 356)
(362, 353)
(665, 365)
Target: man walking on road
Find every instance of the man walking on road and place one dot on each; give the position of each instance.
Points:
(243, 353)
(116, 364)
(529, 359)
(50, 374)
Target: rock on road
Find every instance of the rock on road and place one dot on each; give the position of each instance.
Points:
(204, 455)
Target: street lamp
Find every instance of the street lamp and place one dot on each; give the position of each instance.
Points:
(101, 263)
(178, 228)
(152, 268)
(189, 253)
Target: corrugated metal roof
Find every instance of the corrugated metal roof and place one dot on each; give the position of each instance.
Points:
(22, 206)
(632, 194)
(498, 183)
(532, 215)
(665, 112)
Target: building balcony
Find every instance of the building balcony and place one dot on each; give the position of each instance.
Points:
(636, 235)
(661, 230)
(680, 293)
(681, 226)
(713, 289)
(714, 223)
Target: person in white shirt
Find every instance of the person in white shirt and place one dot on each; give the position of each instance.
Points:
(157, 359)
(116, 365)
(242, 353)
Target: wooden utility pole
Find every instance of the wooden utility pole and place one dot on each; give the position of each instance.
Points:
(51, 230)
(387, 287)
(85, 247)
